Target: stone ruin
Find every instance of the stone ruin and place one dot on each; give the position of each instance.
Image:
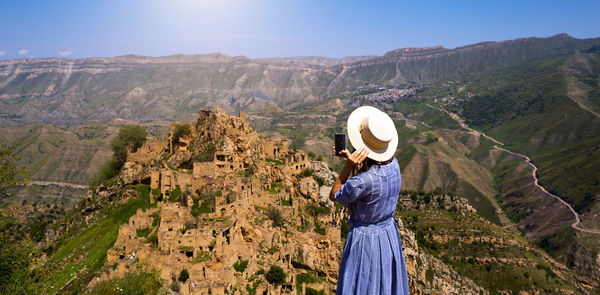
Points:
(248, 179)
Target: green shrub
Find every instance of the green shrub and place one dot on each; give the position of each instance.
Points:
(16, 274)
(311, 291)
(38, 230)
(201, 256)
(207, 154)
(183, 275)
(202, 203)
(180, 131)
(275, 216)
(240, 266)
(142, 233)
(320, 181)
(315, 210)
(129, 138)
(319, 229)
(275, 275)
(175, 195)
(306, 173)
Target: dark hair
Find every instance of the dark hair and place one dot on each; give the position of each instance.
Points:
(366, 165)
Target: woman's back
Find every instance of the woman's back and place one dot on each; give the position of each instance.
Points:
(372, 195)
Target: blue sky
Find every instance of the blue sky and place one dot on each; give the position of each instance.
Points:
(274, 28)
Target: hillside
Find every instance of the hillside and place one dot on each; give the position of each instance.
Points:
(255, 205)
(62, 159)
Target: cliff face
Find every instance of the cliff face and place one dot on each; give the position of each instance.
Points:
(254, 204)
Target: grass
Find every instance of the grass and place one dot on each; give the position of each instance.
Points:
(309, 277)
(131, 283)
(275, 161)
(201, 257)
(175, 195)
(88, 249)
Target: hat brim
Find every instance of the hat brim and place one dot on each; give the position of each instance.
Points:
(353, 129)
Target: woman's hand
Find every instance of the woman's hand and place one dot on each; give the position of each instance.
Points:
(352, 160)
(355, 158)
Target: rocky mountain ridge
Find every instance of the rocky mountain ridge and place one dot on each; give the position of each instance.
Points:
(70, 91)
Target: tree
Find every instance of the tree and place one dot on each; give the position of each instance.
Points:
(184, 275)
(10, 174)
(275, 275)
(130, 138)
(16, 275)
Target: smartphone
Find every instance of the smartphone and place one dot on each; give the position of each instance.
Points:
(340, 143)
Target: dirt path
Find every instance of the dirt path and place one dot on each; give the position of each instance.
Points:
(64, 184)
(464, 125)
(575, 224)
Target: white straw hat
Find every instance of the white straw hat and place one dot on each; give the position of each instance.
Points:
(371, 128)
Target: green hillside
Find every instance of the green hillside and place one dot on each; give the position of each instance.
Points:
(495, 258)
(529, 108)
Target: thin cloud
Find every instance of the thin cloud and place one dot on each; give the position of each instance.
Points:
(22, 51)
(258, 37)
(67, 52)
(2, 53)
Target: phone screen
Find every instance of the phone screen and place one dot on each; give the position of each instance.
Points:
(340, 143)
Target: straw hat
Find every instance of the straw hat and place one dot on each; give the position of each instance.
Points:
(371, 128)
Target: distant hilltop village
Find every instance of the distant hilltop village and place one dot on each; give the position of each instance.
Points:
(230, 204)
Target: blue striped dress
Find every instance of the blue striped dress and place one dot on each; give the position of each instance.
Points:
(372, 262)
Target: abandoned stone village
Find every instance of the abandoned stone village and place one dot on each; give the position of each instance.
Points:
(229, 204)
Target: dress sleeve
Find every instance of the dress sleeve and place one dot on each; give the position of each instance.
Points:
(350, 191)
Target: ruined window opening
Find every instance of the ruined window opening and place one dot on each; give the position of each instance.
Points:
(189, 254)
(121, 256)
(170, 229)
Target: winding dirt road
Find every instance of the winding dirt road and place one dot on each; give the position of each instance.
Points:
(575, 224)
(63, 184)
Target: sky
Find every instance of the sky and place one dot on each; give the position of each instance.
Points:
(276, 28)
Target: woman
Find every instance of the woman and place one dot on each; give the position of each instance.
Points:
(372, 261)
